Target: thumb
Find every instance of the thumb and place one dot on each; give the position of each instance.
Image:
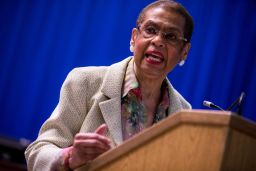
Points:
(101, 129)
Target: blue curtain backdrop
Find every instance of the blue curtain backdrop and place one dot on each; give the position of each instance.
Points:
(42, 40)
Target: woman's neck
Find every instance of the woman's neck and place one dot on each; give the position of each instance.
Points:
(150, 87)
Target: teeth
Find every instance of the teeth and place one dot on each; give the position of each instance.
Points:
(154, 58)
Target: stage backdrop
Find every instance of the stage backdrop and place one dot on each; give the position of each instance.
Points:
(42, 40)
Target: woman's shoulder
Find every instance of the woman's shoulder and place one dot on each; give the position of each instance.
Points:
(90, 71)
(96, 74)
(82, 76)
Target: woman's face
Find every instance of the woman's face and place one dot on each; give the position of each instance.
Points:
(156, 52)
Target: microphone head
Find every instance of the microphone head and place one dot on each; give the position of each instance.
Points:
(207, 103)
(241, 98)
(211, 105)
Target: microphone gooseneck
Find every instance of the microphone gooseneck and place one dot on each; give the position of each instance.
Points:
(211, 105)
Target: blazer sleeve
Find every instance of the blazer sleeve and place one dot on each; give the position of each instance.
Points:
(58, 131)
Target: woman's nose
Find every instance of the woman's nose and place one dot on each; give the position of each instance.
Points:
(158, 40)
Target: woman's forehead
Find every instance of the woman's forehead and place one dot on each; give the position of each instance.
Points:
(164, 18)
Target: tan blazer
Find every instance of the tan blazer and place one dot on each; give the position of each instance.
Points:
(89, 97)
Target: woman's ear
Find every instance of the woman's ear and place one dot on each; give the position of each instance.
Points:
(185, 51)
(133, 37)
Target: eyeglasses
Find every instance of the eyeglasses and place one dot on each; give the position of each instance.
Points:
(171, 38)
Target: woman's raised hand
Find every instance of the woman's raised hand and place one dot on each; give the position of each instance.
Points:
(87, 146)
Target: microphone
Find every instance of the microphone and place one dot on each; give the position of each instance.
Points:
(238, 102)
(211, 105)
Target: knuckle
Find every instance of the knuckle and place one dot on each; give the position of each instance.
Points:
(94, 142)
(79, 135)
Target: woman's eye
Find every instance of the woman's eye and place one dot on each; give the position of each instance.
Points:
(150, 30)
(171, 36)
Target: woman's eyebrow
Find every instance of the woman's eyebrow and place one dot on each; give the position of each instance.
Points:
(172, 29)
(166, 28)
(150, 22)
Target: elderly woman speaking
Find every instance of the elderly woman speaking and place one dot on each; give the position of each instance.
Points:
(100, 107)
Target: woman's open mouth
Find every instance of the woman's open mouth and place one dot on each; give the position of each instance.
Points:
(154, 57)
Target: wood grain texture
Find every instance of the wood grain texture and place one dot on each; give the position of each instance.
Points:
(188, 140)
(240, 153)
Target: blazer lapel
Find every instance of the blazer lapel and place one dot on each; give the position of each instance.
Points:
(111, 107)
(174, 101)
(111, 111)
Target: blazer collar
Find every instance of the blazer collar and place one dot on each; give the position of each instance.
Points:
(111, 107)
(113, 81)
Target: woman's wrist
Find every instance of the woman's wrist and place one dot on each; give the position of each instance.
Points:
(65, 156)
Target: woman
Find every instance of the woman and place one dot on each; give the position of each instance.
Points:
(100, 107)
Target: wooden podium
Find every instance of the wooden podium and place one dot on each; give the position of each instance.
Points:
(191, 140)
